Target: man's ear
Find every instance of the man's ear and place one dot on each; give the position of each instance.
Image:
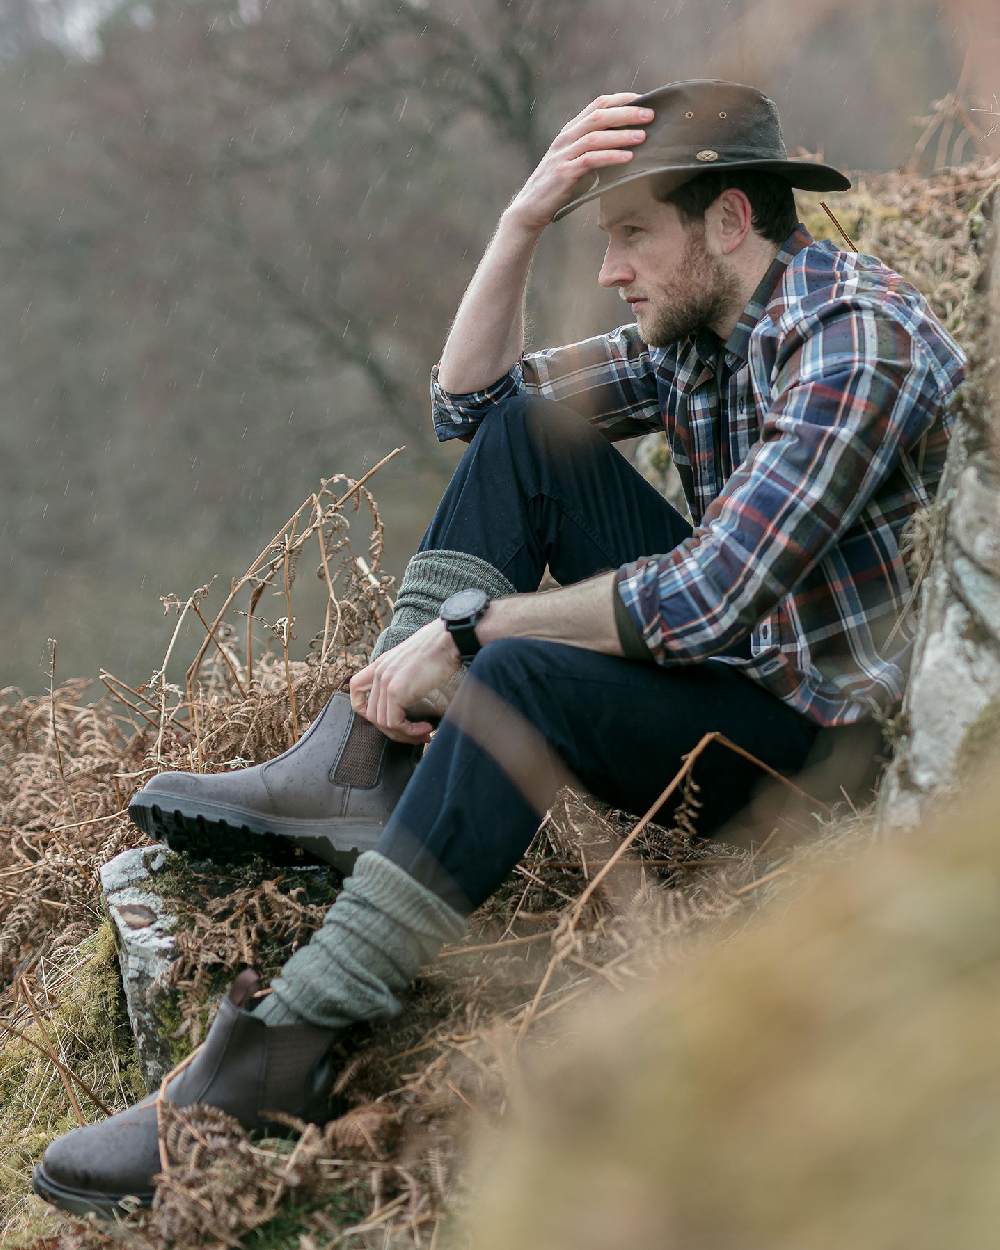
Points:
(728, 221)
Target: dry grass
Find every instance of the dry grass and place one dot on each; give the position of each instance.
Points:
(578, 912)
(567, 920)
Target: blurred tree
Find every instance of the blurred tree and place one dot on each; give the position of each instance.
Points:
(289, 133)
(249, 230)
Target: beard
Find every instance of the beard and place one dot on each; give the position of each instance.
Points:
(704, 295)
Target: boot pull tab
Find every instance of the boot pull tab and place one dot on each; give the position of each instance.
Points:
(243, 987)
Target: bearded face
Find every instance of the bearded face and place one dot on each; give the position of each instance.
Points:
(698, 294)
(662, 267)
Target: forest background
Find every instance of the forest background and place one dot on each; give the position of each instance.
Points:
(233, 234)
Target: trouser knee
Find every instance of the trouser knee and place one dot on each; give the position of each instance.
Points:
(509, 698)
(537, 425)
(506, 667)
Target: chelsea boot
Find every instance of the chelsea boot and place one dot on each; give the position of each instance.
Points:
(244, 1067)
(327, 797)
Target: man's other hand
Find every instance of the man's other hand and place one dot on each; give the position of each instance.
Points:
(584, 145)
(403, 678)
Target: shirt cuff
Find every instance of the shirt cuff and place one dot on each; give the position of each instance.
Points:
(632, 642)
(457, 414)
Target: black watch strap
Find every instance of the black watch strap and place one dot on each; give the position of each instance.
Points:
(466, 640)
(461, 613)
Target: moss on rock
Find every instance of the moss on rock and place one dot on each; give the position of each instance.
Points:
(89, 1027)
(980, 742)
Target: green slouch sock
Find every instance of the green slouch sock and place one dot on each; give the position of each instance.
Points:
(429, 578)
(383, 927)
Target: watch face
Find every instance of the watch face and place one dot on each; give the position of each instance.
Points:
(464, 604)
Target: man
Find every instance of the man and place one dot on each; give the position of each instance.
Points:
(804, 393)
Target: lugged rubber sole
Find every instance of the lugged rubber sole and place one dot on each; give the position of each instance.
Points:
(226, 835)
(77, 1202)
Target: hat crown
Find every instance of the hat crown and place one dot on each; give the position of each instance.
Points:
(708, 123)
(737, 122)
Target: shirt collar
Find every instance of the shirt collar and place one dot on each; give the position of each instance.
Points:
(738, 343)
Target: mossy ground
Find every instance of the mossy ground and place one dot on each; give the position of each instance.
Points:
(192, 892)
(290, 1224)
(88, 1025)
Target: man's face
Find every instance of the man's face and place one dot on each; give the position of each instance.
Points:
(661, 266)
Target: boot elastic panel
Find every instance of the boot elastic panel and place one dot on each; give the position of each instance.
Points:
(361, 759)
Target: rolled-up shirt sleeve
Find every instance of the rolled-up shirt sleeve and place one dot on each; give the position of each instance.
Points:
(611, 379)
(459, 415)
(852, 388)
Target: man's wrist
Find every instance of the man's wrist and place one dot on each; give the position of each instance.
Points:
(516, 226)
(448, 645)
(490, 626)
(629, 634)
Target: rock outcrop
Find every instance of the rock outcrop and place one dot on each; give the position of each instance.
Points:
(145, 927)
(952, 708)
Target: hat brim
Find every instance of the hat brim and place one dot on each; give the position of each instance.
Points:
(805, 175)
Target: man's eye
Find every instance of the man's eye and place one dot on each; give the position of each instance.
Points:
(632, 230)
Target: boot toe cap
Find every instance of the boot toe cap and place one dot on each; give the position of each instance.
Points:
(108, 1161)
(243, 787)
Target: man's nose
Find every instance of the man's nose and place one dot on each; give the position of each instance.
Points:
(614, 271)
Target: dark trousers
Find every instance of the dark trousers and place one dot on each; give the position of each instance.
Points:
(539, 487)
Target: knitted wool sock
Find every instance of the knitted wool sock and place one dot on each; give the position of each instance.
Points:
(383, 927)
(429, 578)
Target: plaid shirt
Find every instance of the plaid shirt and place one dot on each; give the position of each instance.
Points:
(804, 444)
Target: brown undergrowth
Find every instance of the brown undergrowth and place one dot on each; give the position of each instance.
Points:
(598, 901)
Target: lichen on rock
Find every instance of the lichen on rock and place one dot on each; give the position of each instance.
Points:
(955, 674)
(144, 924)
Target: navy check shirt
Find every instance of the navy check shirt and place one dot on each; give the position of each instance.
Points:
(804, 444)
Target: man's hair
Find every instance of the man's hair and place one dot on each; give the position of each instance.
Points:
(771, 199)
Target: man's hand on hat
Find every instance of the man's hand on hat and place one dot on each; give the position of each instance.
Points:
(603, 134)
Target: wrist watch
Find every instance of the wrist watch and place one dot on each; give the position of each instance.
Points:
(460, 613)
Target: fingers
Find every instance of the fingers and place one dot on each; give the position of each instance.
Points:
(371, 697)
(385, 717)
(603, 147)
(589, 161)
(393, 719)
(595, 140)
(358, 687)
(603, 138)
(602, 120)
(608, 101)
(603, 134)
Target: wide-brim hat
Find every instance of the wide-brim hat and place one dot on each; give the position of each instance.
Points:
(703, 124)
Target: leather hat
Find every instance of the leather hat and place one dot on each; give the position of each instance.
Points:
(703, 124)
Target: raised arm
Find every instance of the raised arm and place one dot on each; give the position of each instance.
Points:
(487, 335)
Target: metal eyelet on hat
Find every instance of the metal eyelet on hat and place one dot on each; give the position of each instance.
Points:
(689, 115)
(723, 115)
(706, 154)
